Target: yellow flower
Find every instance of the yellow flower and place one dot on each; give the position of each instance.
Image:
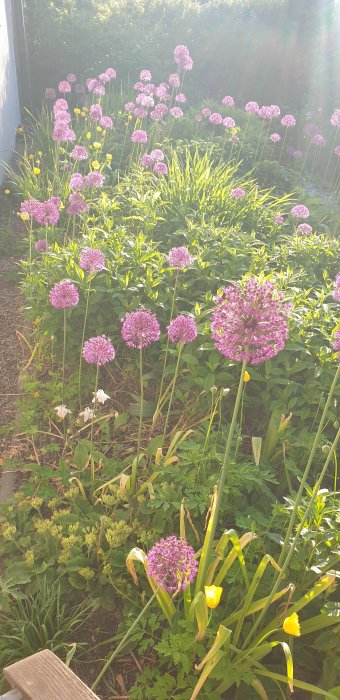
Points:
(97, 145)
(7, 191)
(291, 625)
(36, 394)
(23, 216)
(36, 171)
(82, 113)
(38, 161)
(99, 128)
(246, 377)
(212, 595)
(95, 164)
(20, 130)
(31, 156)
(108, 156)
(88, 135)
(77, 110)
(39, 153)
(85, 109)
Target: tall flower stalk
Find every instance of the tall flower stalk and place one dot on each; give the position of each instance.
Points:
(64, 295)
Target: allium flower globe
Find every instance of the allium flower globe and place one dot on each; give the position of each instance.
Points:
(182, 329)
(176, 112)
(206, 111)
(77, 204)
(94, 179)
(139, 136)
(174, 80)
(129, 106)
(238, 193)
(179, 258)
(157, 154)
(50, 94)
(279, 220)
(160, 168)
(71, 78)
(335, 118)
(145, 75)
(337, 150)
(147, 161)
(64, 86)
(275, 138)
(98, 350)
(172, 564)
(111, 73)
(216, 118)
(336, 344)
(41, 246)
(181, 97)
(92, 260)
(318, 140)
(228, 101)
(96, 112)
(229, 123)
(299, 211)
(249, 324)
(77, 182)
(252, 107)
(64, 295)
(60, 103)
(140, 329)
(79, 153)
(304, 228)
(336, 291)
(288, 121)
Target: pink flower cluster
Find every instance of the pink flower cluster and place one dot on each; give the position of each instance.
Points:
(336, 344)
(44, 213)
(77, 204)
(139, 136)
(304, 228)
(252, 107)
(228, 101)
(288, 121)
(336, 291)
(62, 118)
(249, 323)
(182, 329)
(154, 160)
(216, 118)
(92, 260)
(140, 328)
(172, 564)
(64, 294)
(182, 57)
(335, 118)
(229, 123)
(238, 193)
(179, 258)
(275, 138)
(79, 153)
(269, 111)
(98, 350)
(92, 179)
(299, 211)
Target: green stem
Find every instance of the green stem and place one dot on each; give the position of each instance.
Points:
(330, 158)
(94, 403)
(173, 387)
(155, 415)
(209, 539)
(123, 642)
(283, 144)
(294, 542)
(82, 342)
(136, 461)
(64, 354)
(307, 469)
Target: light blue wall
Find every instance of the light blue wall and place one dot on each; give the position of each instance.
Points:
(9, 101)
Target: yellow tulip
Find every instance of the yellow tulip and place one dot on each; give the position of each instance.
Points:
(291, 625)
(95, 164)
(108, 156)
(246, 377)
(82, 114)
(212, 595)
(88, 135)
(77, 110)
(23, 216)
(99, 129)
(7, 191)
(36, 171)
(97, 145)
(20, 130)
(39, 153)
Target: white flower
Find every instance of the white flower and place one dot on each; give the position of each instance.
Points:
(100, 396)
(62, 411)
(87, 414)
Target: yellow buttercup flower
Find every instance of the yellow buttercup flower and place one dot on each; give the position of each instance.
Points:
(36, 171)
(31, 156)
(88, 135)
(108, 156)
(212, 595)
(39, 153)
(82, 114)
(20, 130)
(246, 377)
(97, 145)
(77, 110)
(95, 165)
(7, 191)
(291, 625)
(23, 216)
(99, 128)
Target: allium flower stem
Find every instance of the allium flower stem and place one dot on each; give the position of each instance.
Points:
(173, 387)
(213, 410)
(292, 548)
(210, 534)
(64, 354)
(124, 640)
(95, 402)
(265, 140)
(123, 147)
(283, 144)
(258, 144)
(243, 137)
(160, 396)
(285, 545)
(330, 158)
(82, 342)
(306, 155)
(136, 461)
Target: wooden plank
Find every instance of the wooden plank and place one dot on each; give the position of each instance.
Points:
(45, 677)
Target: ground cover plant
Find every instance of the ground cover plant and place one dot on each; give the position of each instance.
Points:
(180, 399)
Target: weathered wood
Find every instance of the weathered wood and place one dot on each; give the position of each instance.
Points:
(45, 677)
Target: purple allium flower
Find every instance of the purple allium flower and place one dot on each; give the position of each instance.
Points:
(318, 140)
(104, 77)
(30, 206)
(71, 78)
(337, 150)
(149, 89)
(206, 111)
(252, 107)
(138, 86)
(157, 154)
(181, 52)
(96, 112)
(145, 100)
(228, 101)
(179, 258)
(60, 103)
(95, 86)
(79, 153)
(198, 118)
(77, 204)
(275, 137)
(48, 213)
(279, 219)
(174, 80)
(176, 112)
(249, 324)
(182, 330)
(50, 94)
(92, 260)
(106, 122)
(238, 193)
(335, 118)
(274, 111)
(336, 290)
(62, 117)
(145, 75)
(98, 350)
(41, 246)
(288, 120)
(160, 168)
(140, 328)
(129, 106)
(336, 344)
(162, 93)
(187, 63)
(171, 562)
(216, 118)
(297, 155)
(94, 179)
(64, 86)
(300, 211)
(77, 182)
(64, 294)
(140, 112)
(111, 73)
(181, 97)
(304, 228)
(139, 136)
(61, 132)
(229, 123)
(147, 161)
